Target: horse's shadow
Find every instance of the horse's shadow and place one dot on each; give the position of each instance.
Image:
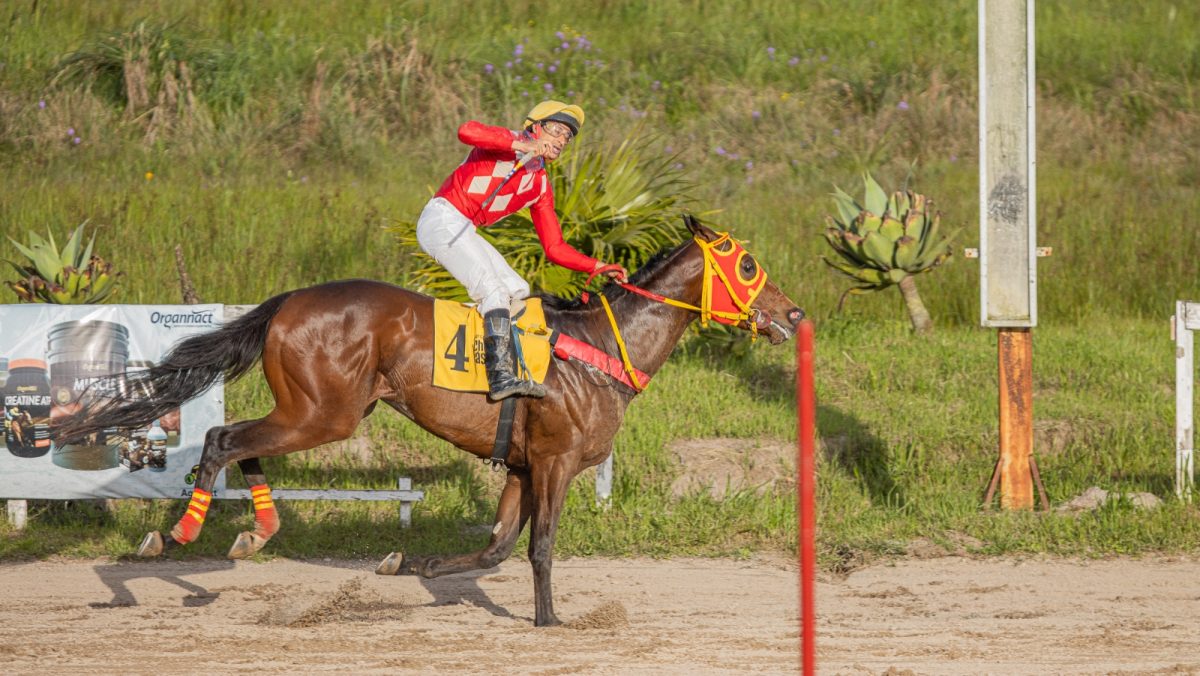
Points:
(463, 589)
(117, 575)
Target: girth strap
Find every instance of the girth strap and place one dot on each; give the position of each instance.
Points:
(500, 447)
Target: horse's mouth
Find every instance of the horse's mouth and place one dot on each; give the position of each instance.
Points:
(776, 333)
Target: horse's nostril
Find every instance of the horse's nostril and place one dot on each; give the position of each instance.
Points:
(795, 315)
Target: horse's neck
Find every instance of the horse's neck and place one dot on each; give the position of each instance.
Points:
(652, 329)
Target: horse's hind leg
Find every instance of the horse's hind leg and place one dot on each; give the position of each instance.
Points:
(266, 518)
(512, 512)
(242, 441)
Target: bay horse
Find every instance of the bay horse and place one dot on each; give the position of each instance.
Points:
(332, 351)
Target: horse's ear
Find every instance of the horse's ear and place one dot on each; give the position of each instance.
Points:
(697, 228)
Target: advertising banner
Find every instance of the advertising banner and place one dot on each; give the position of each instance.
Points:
(55, 359)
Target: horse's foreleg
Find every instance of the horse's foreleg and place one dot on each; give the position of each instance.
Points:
(549, 486)
(266, 518)
(511, 514)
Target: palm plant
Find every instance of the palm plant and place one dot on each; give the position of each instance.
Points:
(614, 204)
(887, 241)
(67, 277)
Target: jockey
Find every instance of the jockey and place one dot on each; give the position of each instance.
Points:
(504, 173)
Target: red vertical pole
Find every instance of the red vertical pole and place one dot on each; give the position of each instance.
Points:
(806, 415)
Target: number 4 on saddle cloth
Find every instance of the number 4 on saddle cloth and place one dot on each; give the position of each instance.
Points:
(458, 362)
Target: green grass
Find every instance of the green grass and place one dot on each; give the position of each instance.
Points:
(266, 190)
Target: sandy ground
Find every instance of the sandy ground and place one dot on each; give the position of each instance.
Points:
(934, 616)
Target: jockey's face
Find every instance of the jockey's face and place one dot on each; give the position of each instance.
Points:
(559, 135)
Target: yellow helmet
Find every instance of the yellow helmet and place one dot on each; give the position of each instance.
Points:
(570, 115)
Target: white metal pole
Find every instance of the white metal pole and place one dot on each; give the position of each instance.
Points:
(1184, 374)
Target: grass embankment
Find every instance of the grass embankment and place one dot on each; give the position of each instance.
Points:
(299, 144)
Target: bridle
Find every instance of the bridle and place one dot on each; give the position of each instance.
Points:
(719, 254)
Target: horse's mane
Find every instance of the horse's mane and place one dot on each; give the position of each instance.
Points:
(564, 307)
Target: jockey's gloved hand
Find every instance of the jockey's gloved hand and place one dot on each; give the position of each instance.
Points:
(610, 270)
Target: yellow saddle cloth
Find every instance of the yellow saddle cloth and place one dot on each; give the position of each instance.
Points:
(458, 362)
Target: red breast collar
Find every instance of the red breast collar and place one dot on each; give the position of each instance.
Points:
(566, 347)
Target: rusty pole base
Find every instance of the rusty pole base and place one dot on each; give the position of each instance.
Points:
(1037, 481)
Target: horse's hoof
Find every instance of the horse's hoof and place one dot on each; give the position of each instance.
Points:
(246, 545)
(390, 565)
(152, 545)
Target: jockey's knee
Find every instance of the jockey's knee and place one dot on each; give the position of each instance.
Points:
(496, 299)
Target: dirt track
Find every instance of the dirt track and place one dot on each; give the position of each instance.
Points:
(945, 616)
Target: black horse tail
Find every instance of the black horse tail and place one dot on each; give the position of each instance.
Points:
(190, 369)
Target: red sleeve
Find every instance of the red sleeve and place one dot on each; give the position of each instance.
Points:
(485, 136)
(545, 222)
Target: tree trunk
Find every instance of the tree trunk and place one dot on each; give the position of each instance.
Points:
(921, 321)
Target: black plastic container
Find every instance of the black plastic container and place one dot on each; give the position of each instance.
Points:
(27, 408)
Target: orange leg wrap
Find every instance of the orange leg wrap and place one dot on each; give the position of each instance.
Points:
(188, 528)
(266, 519)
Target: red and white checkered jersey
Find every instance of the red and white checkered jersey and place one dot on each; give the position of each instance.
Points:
(489, 162)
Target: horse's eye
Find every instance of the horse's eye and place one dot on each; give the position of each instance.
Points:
(748, 267)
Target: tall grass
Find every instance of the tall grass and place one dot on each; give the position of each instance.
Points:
(767, 105)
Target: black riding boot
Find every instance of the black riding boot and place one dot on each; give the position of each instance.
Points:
(498, 356)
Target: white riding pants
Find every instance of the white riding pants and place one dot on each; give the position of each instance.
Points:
(450, 237)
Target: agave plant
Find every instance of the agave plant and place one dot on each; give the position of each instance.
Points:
(68, 277)
(614, 204)
(885, 241)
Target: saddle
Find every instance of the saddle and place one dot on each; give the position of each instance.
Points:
(458, 361)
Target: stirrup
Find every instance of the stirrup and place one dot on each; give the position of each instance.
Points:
(507, 387)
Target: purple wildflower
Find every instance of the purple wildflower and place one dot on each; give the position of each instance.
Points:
(824, 57)
(536, 78)
(565, 45)
(771, 53)
(903, 105)
(793, 61)
(488, 68)
(755, 114)
(749, 165)
(720, 151)
(70, 131)
(677, 166)
(42, 103)
(560, 35)
(548, 87)
(540, 66)
(552, 69)
(571, 93)
(508, 64)
(525, 94)
(668, 150)
(656, 85)
(518, 50)
(76, 140)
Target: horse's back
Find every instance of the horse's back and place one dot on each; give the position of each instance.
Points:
(353, 321)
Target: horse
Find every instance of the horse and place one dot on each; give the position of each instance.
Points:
(331, 352)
